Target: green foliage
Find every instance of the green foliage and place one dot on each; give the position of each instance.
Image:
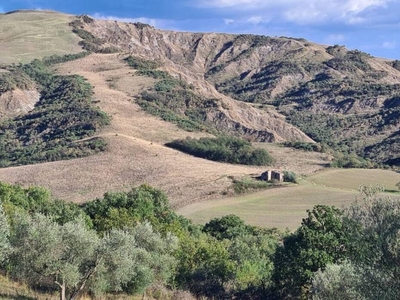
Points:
(179, 106)
(395, 64)
(156, 261)
(171, 99)
(141, 64)
(289, 176)
(170, 116)
(18, 200)
(332, 255)
(319, 241)
(203, 265)
(125, 210)
(333, 101)
(227, 227)
(351, 161)
(253, 259)
(304, 146)
(247, 185)
(337, 282)
(63, 116)
(227, 149)
(15, 79)
(348, 147)
(374, 225)
(4, 236)
(44, 250)
(57, 59)
(74, 258)
(245, 263)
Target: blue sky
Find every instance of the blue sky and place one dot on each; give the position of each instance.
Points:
(372, 26)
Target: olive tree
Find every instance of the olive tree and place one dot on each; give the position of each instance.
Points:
(70, 256)
(373, 250)
(337, 282)
(4, 236)
(374, 226)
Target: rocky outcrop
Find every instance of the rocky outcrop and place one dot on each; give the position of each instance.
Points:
(17, 102)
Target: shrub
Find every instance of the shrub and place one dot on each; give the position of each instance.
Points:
(227, 149)
(289, 176)
(63, 115)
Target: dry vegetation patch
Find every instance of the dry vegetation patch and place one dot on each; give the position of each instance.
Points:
(136, 153)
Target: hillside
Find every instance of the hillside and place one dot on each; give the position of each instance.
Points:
(27, 35)
(157, 86)
(353, 96)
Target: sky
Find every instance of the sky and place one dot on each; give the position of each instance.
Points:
(372, 26)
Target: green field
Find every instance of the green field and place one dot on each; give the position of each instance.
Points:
(35, 34)
(286, 207)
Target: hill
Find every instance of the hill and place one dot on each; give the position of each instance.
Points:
(158, 86)
(27, 35)
(353, 96)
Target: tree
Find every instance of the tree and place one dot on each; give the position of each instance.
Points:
(374, 227)
(70, 256)
(204, 265)
(319, 241)
(227, 227)
(253, 263)
(337, 282)
(373, 247)
(155, 261)
(4, 236)
(125, 210)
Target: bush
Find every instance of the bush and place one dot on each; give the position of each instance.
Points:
(141, 64)
(227, 149)
(63, 115)
(304, 146)
(289, 176)
(249, 185)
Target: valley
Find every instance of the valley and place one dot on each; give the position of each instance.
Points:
(131, 159)
(286, 207)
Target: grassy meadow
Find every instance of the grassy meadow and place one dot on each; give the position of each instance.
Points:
(35, 34)
(285, 207)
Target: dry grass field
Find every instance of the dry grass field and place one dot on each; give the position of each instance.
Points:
(136, 154)
(286, 207)
(351, 179)
(35, 34)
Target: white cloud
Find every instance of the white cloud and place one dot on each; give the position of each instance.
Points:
(255, 20)
(301, 11)
(232, 3)
(335, 38)
(158, 23)
(389, 45)
(229, 21)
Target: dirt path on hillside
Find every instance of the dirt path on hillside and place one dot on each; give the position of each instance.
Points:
(135, 154)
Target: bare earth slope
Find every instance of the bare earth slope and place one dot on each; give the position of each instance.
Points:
(136, 154)
(353, 96)
(183, 55)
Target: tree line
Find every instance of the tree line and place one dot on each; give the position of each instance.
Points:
(126, 242)
(228, 149)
